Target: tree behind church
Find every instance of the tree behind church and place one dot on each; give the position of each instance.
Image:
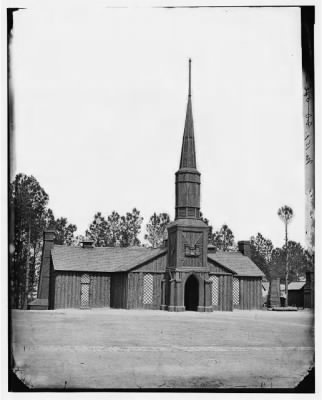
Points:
(29, 217)
(116, 229)
(298, 262)
(156, 229)
(261, 253)
(224, 239)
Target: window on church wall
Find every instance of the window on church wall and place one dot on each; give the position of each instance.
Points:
(236, 284)
(214, 290)
(147, 289)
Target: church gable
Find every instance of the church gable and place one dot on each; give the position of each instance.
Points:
(156, 264)
(215, 268)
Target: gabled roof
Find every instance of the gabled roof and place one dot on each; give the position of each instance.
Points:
(293, 285)
(122, 259)
(236, 262)
(101, 259)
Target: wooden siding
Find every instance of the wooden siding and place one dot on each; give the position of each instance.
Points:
(172, 249)
(157, 264)
(119, 290)
(51, 297)
(296, 298)
(250, 293)
(215, 268)
(67, 290)
(225, 298)
(135, 290)
(99, 293)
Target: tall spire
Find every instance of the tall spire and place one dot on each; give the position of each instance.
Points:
(187, 177)
(188, 152)
(189, 77)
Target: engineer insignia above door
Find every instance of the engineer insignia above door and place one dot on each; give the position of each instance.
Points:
(192, 244)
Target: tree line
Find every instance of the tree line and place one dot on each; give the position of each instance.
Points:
(30, 216)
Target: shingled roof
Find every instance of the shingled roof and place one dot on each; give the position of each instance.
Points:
(236, 262)
(101, 259)
(122, 259)
(293, 285)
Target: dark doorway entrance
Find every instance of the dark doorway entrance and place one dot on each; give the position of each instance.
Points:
(191, 293)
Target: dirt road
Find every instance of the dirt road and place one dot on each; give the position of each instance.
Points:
(109, 348)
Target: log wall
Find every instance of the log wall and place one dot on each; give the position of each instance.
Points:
(225, 298)
(135, 290)
(250, 293)
(67, 288)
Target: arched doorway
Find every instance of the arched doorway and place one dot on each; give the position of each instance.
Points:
(191, 293)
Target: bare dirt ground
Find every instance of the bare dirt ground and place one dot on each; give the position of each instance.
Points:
(108, 348)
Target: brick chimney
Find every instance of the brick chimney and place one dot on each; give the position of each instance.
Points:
(48, 244)
(244, 247)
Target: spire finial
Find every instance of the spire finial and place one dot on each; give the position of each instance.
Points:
(189, 77)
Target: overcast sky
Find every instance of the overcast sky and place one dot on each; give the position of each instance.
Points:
(100, 100)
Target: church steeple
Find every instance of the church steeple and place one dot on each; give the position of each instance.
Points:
(188, 152)
(187, 177)
(187, 235)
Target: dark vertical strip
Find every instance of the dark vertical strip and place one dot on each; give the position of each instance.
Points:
(76, 293)
(64, 291)
(104, 290)
(97, 297)
(125, 290)
(307, 40)
(92, 291)
(129, 291)
(67, 287)
(73, 283)
(58, 289)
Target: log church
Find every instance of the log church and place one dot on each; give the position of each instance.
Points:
(184, 274)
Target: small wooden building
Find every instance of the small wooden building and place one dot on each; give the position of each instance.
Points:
(309, 290)
(184, 275)
(295, 293)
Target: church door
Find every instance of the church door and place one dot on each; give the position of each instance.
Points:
(191, 293)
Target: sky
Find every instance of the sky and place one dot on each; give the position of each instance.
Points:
(100, 98)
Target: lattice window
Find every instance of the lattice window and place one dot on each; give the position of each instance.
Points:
(236, 291)
(85, 278)
(148, 289)
(85, 282)
(215, 290)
